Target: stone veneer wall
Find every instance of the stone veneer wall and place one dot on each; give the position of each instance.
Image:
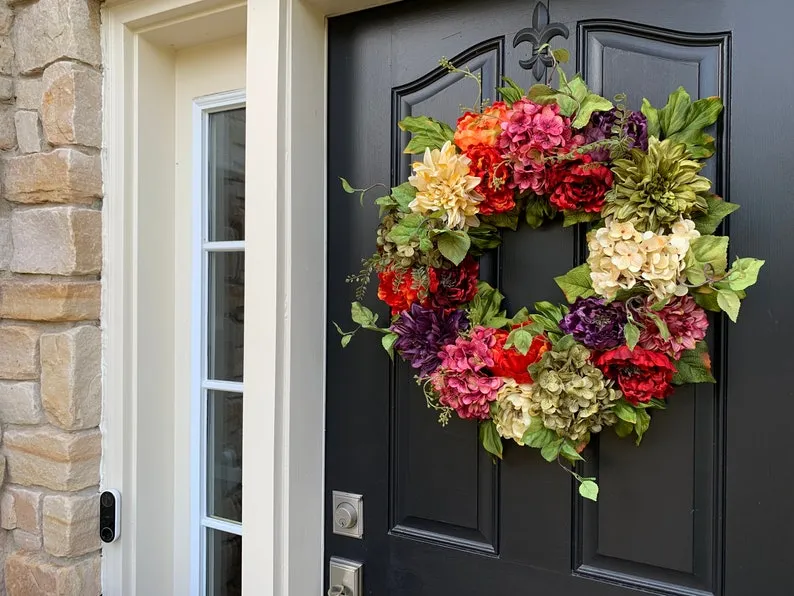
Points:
(50, 264)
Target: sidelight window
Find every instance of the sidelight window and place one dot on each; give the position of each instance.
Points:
(217, 485)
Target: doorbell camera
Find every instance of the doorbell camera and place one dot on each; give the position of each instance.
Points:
(109, 515)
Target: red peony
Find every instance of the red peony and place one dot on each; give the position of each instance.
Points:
(488, 165)
(397, 289)
(581, 186)
(641, 374)
(512, 363)
(449, 288)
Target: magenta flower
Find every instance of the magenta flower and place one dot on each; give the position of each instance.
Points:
(532, 130)
(459, 380)
(685, 320)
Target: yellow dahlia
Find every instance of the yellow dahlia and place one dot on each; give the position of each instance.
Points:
(512, 416)
(443, 183)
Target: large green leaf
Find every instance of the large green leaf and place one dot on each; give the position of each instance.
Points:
(743, 274)
(410, 227)
(520, 339)
(362, 315)
(576, 283)
(717, 211)
(403, 195)
(551, 451)
(388, 341)
(486, 305)
(632, 334)
(426, 133)
(694, 366)
(454, 245)
(684, 121)
(538, 438)
(490, 439)
(707, 256)
(589, 490)
(643, 422)
(538, 211)
(512, 92)
(729, 303)
(625, 411)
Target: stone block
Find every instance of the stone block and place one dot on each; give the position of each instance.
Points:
(57, 240)
(71, 524)
(27, 508)
(52, 458)
(19, 356)
(6, 18)
(71, 105)
(8, 515)
(6, 247)
(50, 30)
(30, 574)
(6, 55)
(8, 129)
(6, 88)
(54, 300)
(71, 377)
(28, 93)
(28, 135)
(27, 541)
(20, 402)
(61, 176)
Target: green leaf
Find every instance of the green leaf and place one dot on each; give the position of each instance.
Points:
(743, 274)
(571, 218)
(551, 451)
(591, 103)
(520, 339)
(589, 490)
(632, 334)
(576, 283)
(566, 342)
(706, 298)
(625, 411)
(403, 195)
(485, 305)
(490, 439)
(538, 210)
(362, 315)
(409, 227)
(683, 121)
(729, 303)
(568, 451)
(561, 55)
(643, 422)
(660, 325)
(387, 341)
(717, 211)
(426, 133)
(660, 304)
(346, 186)
(541, 94)
(512, 93)
(707, 256)
(346, 340)
(484, 237)
(520, 317)
(555, 312)
(694, 366)
(652, 115)
(538, 438)
(454, 245)
(623, 428)
(502, 220)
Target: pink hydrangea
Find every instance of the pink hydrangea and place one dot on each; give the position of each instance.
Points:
(532, 130)
(685, 320)
(459, 380)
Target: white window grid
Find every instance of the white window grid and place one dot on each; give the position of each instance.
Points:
(201, 385)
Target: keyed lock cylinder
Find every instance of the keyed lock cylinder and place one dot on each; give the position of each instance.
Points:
(348, 514)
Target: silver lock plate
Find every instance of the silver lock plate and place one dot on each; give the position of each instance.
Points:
(348, 514)
(345, 577)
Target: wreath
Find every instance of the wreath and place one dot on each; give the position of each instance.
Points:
(635, 322)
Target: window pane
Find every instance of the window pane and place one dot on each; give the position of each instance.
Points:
(225, 284)
(226, 153)
(224, 563)
(225, 455)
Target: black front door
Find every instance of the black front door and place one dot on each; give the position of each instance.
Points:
(704, 506)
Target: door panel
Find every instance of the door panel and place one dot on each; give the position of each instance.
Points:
(672, 517)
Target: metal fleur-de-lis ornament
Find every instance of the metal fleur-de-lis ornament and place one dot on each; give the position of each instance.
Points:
(540, 34)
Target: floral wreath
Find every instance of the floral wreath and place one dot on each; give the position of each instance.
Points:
(636, 320)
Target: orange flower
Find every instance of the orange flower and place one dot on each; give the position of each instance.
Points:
(397, 289)
(480, 129)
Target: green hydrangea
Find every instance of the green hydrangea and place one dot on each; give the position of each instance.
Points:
(657, 188)
(571, 396)
(405, 256)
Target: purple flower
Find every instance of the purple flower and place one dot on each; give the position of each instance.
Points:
(424, 332)
(597, 325)
(600, 128)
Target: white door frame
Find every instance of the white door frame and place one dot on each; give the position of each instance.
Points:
(285, 326)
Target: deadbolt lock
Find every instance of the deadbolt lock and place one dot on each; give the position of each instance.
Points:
(348, 514)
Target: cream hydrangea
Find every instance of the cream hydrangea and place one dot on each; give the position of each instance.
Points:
(512, 417)
(622, 257)
(442, 182)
